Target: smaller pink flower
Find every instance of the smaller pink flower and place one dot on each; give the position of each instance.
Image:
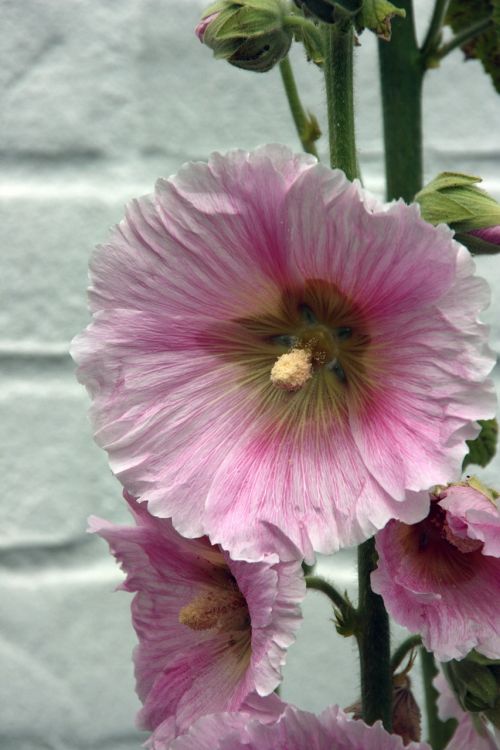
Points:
(212, 630)
(466, 736)
(294, 730)
(441, 577)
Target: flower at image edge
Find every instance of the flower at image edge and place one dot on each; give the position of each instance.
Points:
(212, 631)
(271, 346)
(441, 577)
(293, 730)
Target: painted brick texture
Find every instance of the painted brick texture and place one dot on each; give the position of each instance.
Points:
(98, 98)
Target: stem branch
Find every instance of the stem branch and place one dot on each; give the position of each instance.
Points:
(410, 643)
(302, 122)
(319, 584)
(464, 36)
(433, 35)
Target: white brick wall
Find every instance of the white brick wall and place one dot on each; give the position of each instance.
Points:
(99, 97)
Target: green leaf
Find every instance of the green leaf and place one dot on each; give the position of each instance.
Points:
(485, 47)
(376, 15)
(483, 448)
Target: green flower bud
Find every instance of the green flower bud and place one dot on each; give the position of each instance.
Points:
(476, 683)
(453, 198)
(250, 34)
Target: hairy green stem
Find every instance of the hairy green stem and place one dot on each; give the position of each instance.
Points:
(432, 38)
(440, 732)
(401, 73)
(404, 648)
(339, 45)
(462, 38)
(319, 584)
(302, 122)
(374, 643)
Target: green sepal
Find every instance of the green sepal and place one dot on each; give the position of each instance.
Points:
(307, 32)
(474, 684)
(453, 198)
(346, 619)
(476, 245)
(485, 47)
(478, 658)
(483, 448)
(376, 15)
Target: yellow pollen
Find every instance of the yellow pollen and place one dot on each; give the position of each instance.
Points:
(224, 609)
(291, 371)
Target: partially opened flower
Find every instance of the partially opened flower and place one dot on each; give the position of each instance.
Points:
(212, 631)
(270, 345)
(294, 730)
(441, 577)
(472, 732)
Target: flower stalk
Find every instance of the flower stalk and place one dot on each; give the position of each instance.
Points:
(339, 45)
(440, 732)
(401, 71)
(374, 643)
(305, 125)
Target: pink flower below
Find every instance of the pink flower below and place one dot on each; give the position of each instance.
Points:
(441, 577)
(213, 632)
(228, 267)
(294, 730)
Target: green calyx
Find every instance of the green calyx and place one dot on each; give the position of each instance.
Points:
(250, 34)
(475, 681)
(452, 198)
(377, 15)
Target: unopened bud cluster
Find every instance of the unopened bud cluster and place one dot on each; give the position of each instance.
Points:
(250, 34)
(454, 199)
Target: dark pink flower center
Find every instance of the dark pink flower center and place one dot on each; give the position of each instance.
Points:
(440, 556)
(320, 320)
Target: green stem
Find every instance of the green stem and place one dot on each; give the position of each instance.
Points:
(339, 45)
(302, 122)
(401, 72)
(433, 35)
(462, 38)
(408, 645)
(374, 643)
(319, 584)
(440, 732)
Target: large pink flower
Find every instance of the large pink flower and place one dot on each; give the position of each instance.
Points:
(441, 577)
(294, 730)
(366, 316)
(470, 734)
(212, 630)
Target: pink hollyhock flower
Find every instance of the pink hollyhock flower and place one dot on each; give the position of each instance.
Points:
(294, 730)
(211, 630)
(469, 735)
(270, 345)
(441, 577)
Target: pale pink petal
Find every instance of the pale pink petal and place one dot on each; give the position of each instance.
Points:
(293, 730)
(180, 380)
